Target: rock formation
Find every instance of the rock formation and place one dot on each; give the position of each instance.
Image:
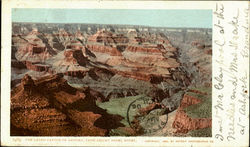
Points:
(57, 110)
(183, 122)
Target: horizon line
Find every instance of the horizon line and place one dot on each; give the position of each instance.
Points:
(113, 24)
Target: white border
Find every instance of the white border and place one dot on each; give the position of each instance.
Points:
(7, 5)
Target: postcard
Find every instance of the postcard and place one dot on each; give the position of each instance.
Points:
(125, 73)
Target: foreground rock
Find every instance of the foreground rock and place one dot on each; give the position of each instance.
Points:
(57, 110)
(186, 119)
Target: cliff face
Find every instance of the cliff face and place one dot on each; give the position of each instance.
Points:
(32, 47)
(57, 110)
(103, 36)
(183, 122)
(37, 67)
(112, 51)
(141, 60)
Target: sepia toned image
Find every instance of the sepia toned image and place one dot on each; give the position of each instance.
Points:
(111, 72)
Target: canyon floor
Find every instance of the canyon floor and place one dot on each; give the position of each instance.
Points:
(110, 80)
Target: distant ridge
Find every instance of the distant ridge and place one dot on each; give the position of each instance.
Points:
(120, 25)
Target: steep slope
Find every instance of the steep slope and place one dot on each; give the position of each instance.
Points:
(194, 112)
(57, 110)
(32, 48)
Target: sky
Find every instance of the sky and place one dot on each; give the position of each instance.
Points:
(147, 17)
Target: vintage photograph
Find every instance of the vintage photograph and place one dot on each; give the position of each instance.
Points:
(111, 72)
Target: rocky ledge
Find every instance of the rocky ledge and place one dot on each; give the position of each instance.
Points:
(58, 110)
(186, 118)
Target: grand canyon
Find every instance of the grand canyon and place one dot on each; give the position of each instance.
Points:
(110, 80)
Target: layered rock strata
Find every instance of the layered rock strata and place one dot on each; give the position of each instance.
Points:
(57, 110)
